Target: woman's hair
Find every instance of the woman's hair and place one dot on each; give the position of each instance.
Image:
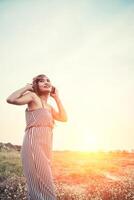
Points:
(36, 79)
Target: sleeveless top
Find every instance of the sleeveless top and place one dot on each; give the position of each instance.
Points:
(40, 117)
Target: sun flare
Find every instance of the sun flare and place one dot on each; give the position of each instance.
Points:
(88, 142)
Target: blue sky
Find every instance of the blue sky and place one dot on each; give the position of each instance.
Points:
(86, 48)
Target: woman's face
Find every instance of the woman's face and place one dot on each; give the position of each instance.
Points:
(44, 85)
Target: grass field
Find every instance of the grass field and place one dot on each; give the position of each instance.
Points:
(77, 176)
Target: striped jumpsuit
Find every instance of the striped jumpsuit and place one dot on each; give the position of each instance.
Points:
(36, 154)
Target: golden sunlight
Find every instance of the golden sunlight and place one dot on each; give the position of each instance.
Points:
(88, 142)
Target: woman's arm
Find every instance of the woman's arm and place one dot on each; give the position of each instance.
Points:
(19, 97)
(61, 115)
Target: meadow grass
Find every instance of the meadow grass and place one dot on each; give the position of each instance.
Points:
(77, 176)
(10, 164)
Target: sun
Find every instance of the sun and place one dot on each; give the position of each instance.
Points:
(88, 142)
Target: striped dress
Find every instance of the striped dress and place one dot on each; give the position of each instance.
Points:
(36, 154)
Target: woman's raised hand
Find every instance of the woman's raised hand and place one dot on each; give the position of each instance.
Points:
(54, 94)
(29, 87)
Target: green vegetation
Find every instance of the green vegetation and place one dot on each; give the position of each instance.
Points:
(10, 164)
(77, 176)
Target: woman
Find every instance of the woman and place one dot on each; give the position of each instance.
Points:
(36, 151)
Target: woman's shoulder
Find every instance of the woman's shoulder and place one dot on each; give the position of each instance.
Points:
(33, 94)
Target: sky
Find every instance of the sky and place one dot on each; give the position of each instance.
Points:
(86, 49)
